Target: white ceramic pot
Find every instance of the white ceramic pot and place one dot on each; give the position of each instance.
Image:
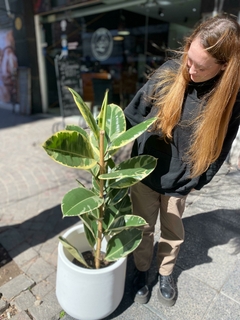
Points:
(87, 294)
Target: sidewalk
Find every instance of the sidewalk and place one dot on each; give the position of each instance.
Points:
(31, 189)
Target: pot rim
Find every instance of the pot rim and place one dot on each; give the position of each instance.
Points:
(74, 267)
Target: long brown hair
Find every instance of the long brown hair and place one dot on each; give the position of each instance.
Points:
(220, 36)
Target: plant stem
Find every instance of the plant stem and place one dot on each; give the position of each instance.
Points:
(101, 209)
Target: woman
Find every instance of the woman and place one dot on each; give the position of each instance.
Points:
(196, 100)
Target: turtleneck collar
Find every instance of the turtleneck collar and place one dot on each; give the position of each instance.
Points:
(205, 87)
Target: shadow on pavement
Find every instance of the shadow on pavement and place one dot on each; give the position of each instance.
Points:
(11, 119)
(203, 231)
(35, 230)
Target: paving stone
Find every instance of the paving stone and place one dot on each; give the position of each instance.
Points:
(23, 253)
(11, 238)
(58, 317)
(39, 269)
(135, 312)
(16, 286)
(223, 308)
(205, 261)
(24, 300)
(3, 305)
(50, 245)
(231, 288)
(52, 279)
(194, 299)
(216, 227)
(48, 309)
(21, 316)
(8, 268)
(42, 289)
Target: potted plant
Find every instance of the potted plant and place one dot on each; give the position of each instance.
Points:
(108, 229)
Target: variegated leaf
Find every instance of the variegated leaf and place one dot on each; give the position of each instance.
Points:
(102, 114)
(130, 171)
(122, 244)
(109, 216)
(142, 161)
(79, 201)
(116, 195)
(126, 222)
(70, 148)
(115, 123)
(136, 173)
(74, 252)
(95, 185)
(72, 127)
(125, 205)
(112, 212)
(86, 113)
(95, 146)
(131, 134)
(124, 182)
(90, 228)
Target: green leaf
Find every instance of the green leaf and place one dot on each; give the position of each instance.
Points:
(86, 113)
(94, 213)
(123, 243)
(112, 212)
(70, 148)
(95, 185)
(102, 115)
(116, 195)
(79, 201)
(115, 123)
(143, 161)
(131, 134)
(95, 146)
(130, 171)
(124, 206)
(110, 163)
(124, 183)
(90, 238)
(95, 170)
(72, 127)
(109, 216)
(90, 228)
(73, 251)
(126, 222)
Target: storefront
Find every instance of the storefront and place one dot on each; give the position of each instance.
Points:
(113, 43)
(8, 61)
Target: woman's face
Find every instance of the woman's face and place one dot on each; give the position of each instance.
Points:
(201, 65)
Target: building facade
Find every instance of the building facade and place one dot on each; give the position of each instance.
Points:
(91, 45)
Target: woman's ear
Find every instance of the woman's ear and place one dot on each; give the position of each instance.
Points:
(224, 66)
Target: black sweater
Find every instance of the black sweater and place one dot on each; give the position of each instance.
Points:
(171, 175)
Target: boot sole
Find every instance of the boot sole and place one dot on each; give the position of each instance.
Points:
(142, 299)
(166, 302)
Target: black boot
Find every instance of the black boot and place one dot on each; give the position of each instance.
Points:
(167, 290)
(140, 288)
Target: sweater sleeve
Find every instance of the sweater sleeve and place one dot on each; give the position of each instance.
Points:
(139, 107)
(234, 123)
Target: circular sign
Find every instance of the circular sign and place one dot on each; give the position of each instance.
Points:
(102, 44)
(18, 23)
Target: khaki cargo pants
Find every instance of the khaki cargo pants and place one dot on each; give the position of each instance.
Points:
(147, 203)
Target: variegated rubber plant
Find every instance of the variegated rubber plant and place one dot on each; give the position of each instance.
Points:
(105, 209)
